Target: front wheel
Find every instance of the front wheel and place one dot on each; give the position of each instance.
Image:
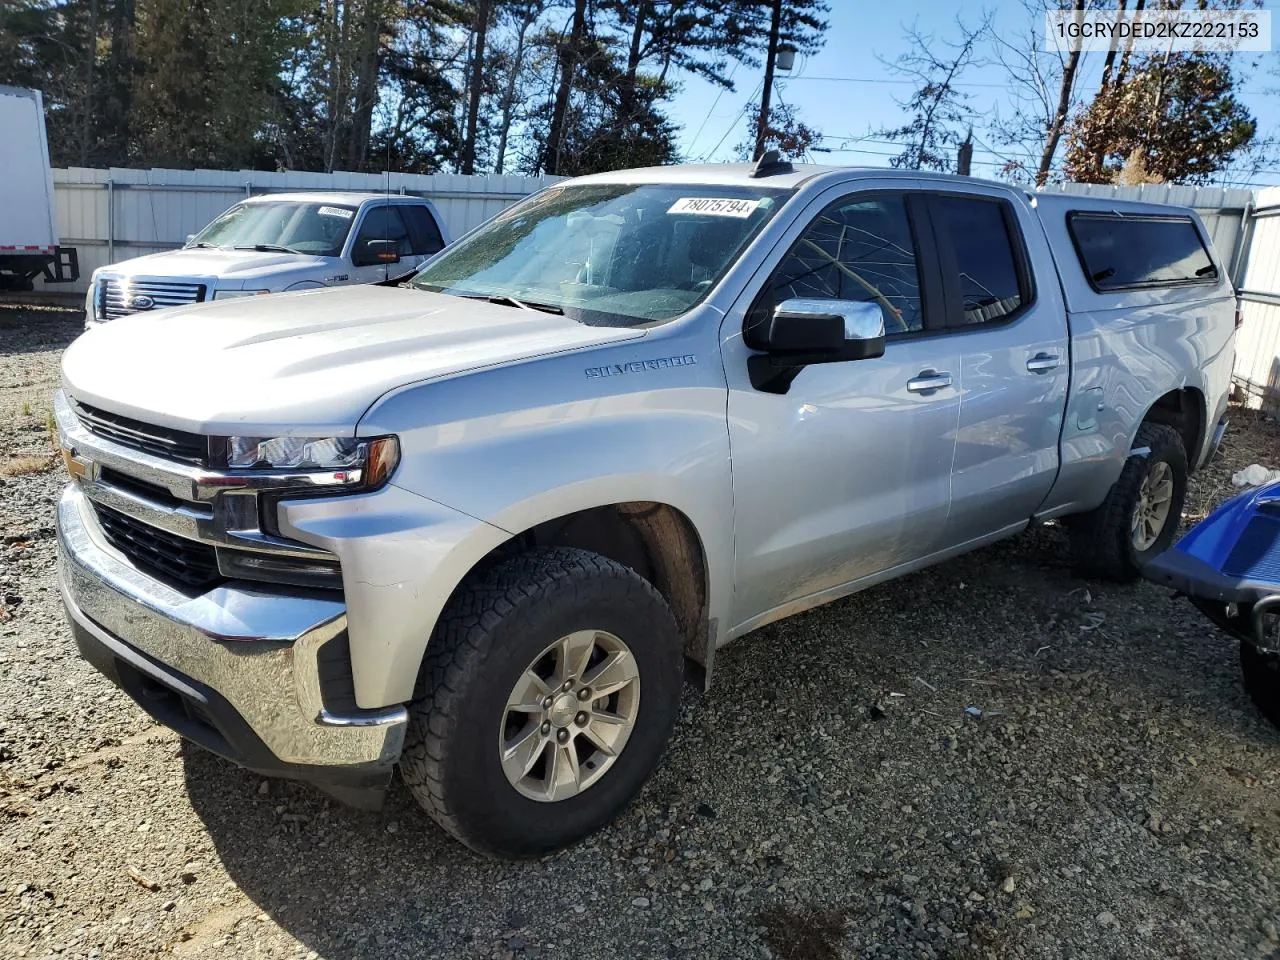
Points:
(1261, 674)
(549, 690)
(1140, 516)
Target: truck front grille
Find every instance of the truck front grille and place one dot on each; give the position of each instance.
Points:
(149, 438)
(175, 559)
(119, 298)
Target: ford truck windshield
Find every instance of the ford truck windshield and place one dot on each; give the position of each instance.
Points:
(608, 254)
(290, 226)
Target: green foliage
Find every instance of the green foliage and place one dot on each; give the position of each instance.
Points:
(371, 84)
(204, 104)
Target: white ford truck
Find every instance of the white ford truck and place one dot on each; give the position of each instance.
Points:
(272, 243)
(475, 526)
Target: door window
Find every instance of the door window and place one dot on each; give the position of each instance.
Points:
(977, 229)
(381, 223)
(424, 234)
(859, 248)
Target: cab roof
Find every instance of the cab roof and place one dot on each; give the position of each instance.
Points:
(740, 174)
(351, 198)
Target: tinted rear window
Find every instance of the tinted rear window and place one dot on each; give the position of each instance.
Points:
(989, 286)
(1117, 252)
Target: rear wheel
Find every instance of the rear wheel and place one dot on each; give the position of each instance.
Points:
(1140, 516)
(1261, 674)
(548, 693)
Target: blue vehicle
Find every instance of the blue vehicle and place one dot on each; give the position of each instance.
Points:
(1229, 566)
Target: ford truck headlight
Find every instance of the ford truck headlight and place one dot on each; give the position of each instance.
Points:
(229, 294)
(357, 461)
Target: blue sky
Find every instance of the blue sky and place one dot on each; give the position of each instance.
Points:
(860, 34)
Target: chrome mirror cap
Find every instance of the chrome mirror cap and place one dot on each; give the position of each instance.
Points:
(863, 320)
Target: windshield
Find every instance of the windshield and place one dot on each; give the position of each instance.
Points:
(294, 226)
(608, 254)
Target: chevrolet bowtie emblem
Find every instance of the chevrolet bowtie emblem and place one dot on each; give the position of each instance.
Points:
(79, 467)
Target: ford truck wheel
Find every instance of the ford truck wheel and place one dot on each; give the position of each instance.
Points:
(1261, 674)
(548, 692)
(1141, 513)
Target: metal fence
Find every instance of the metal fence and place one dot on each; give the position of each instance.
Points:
(1258, 345)
(112, 215)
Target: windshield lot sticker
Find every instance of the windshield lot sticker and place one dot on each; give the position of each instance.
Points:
(715, 206)
(336, 212)
(640, 366)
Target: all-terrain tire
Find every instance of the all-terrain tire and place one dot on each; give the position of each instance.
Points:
(1102, 539)
(488, 634)
(1261, 674)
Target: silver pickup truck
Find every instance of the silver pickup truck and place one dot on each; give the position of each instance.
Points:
(475, 526)
(271, 243)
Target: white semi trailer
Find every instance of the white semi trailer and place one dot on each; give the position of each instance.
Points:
(28, 228)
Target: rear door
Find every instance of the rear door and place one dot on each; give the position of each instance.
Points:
(846, 473)
(1010, 329)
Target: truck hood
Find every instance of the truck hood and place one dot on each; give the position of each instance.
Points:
(302, 364)
(227, 265)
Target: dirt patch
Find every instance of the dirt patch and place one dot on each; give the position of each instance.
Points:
(804, 934)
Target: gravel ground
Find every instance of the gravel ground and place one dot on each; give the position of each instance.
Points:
(1118, 797)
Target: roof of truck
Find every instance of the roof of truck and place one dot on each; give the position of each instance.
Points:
(740, 174)
(349, 197)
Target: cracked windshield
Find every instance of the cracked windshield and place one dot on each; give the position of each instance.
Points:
(606, 254)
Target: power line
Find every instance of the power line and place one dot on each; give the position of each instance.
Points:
(880, 80)
(961, 83)
(715, 103)
(751, 98)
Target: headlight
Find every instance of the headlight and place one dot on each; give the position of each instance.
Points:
(358, 461)
(229, 294)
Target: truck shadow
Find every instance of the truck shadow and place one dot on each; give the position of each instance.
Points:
(1079, 677)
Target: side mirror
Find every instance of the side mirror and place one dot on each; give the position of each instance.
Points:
(802, 330)
(190, 237)
(376, 251)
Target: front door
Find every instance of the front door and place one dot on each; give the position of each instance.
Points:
(381, 221)
(847, 473)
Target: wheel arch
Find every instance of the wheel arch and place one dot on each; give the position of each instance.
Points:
(657, 540)
(1185, 410)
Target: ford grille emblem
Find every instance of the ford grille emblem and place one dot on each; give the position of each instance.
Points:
(141, 302)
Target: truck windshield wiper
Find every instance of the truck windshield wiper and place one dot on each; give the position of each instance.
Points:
(522, 304)
(266, 248)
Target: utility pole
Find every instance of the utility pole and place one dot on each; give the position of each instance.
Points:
(964, 159)
(762, 128)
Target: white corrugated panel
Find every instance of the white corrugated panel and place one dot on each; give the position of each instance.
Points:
(1258, 344)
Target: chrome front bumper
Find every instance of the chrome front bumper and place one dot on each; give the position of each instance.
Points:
(246, 659)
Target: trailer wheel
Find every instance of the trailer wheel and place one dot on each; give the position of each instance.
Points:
(1261, 674)
(1141, 513)
(549, 690)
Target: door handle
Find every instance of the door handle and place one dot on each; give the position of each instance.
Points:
(1043, 363)
(927, 381)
